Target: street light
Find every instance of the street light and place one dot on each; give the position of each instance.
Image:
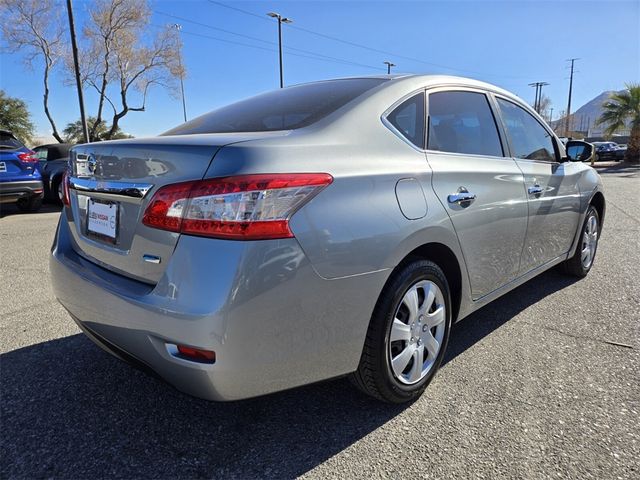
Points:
(178, 27)
(389, 65)
(281, 20)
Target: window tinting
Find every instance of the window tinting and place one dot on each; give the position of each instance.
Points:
(9, 142)
(527, 137)
(408, 118)
(285, 109)
(462, 122)
(42, 153)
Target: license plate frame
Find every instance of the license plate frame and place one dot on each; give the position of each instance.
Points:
(104, 229)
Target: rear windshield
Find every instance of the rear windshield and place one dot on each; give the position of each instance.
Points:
(9, 142)
(285, 109)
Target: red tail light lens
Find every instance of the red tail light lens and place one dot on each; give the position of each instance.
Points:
(249, 207)
(28, 157)
(167, 206)
(66, 198)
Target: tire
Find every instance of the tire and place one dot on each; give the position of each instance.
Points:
(377, 374)
(29, 205)
(57, 191)
(587, 246)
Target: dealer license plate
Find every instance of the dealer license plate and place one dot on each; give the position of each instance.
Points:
(102, 218)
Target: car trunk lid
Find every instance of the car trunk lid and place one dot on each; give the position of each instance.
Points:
(111, 184)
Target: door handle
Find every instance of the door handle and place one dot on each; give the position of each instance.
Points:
(535, 190)
(462, 196)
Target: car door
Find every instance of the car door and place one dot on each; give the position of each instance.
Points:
(551, 186)
(480, 187)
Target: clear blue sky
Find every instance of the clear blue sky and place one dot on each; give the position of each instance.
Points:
(508, 43)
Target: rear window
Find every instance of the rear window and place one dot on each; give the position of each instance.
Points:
(7, 141)
(284, 109)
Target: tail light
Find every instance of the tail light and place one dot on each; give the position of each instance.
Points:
(28, 157)
(66, 199)
(248, 207)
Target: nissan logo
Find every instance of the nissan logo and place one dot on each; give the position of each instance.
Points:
(91, 163)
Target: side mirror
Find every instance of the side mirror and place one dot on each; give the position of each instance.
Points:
(578, 151)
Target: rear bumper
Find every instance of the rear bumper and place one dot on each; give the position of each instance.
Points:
(272, 321)
(13, 191)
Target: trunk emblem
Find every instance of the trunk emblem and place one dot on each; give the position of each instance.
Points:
(92, 163)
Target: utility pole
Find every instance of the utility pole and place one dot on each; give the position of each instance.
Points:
(535, 101)
(538, 99)
(76, 67)
(281, 20)
(551, 115)
(178, 27)
(567, 118)
(389, 65)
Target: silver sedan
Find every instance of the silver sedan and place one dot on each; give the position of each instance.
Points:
(325, 229)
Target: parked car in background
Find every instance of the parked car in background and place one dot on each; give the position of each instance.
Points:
(20, 179)
(53, 163)
(621, 151)
(325, 229)
(606, 151)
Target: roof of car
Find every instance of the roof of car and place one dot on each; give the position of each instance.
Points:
(49, 145)
(429, 79)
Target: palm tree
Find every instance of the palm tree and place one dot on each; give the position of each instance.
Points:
(621, 108)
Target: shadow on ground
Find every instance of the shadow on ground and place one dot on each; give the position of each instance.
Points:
(69, 410)
(618, 167)
(11, 209)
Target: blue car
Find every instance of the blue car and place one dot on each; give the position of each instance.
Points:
(20, 178)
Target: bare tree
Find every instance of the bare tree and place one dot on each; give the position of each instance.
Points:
(120, 65)
(544, 104)
(35, 27)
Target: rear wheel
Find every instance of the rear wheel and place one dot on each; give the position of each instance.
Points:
(582, 261)
(59, 190)
(408, 334)
(30, 204)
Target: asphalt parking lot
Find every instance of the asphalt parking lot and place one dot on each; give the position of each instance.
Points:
(544, 382)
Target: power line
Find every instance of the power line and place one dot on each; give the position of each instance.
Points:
(211, 27)
(238, 10)
(359, 45)
(314, 56)
(308, 52)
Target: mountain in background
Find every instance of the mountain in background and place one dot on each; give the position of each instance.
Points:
(585, 118)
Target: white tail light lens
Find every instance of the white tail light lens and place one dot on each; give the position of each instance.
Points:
(248, 207)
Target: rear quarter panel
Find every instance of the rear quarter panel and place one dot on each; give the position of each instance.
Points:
(355, 226)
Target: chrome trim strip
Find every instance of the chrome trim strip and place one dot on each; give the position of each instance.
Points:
(125, 189)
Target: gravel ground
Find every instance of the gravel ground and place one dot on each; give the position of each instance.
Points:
(534, 385)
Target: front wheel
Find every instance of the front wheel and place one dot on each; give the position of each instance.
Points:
(408, 334)
(582, 261)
